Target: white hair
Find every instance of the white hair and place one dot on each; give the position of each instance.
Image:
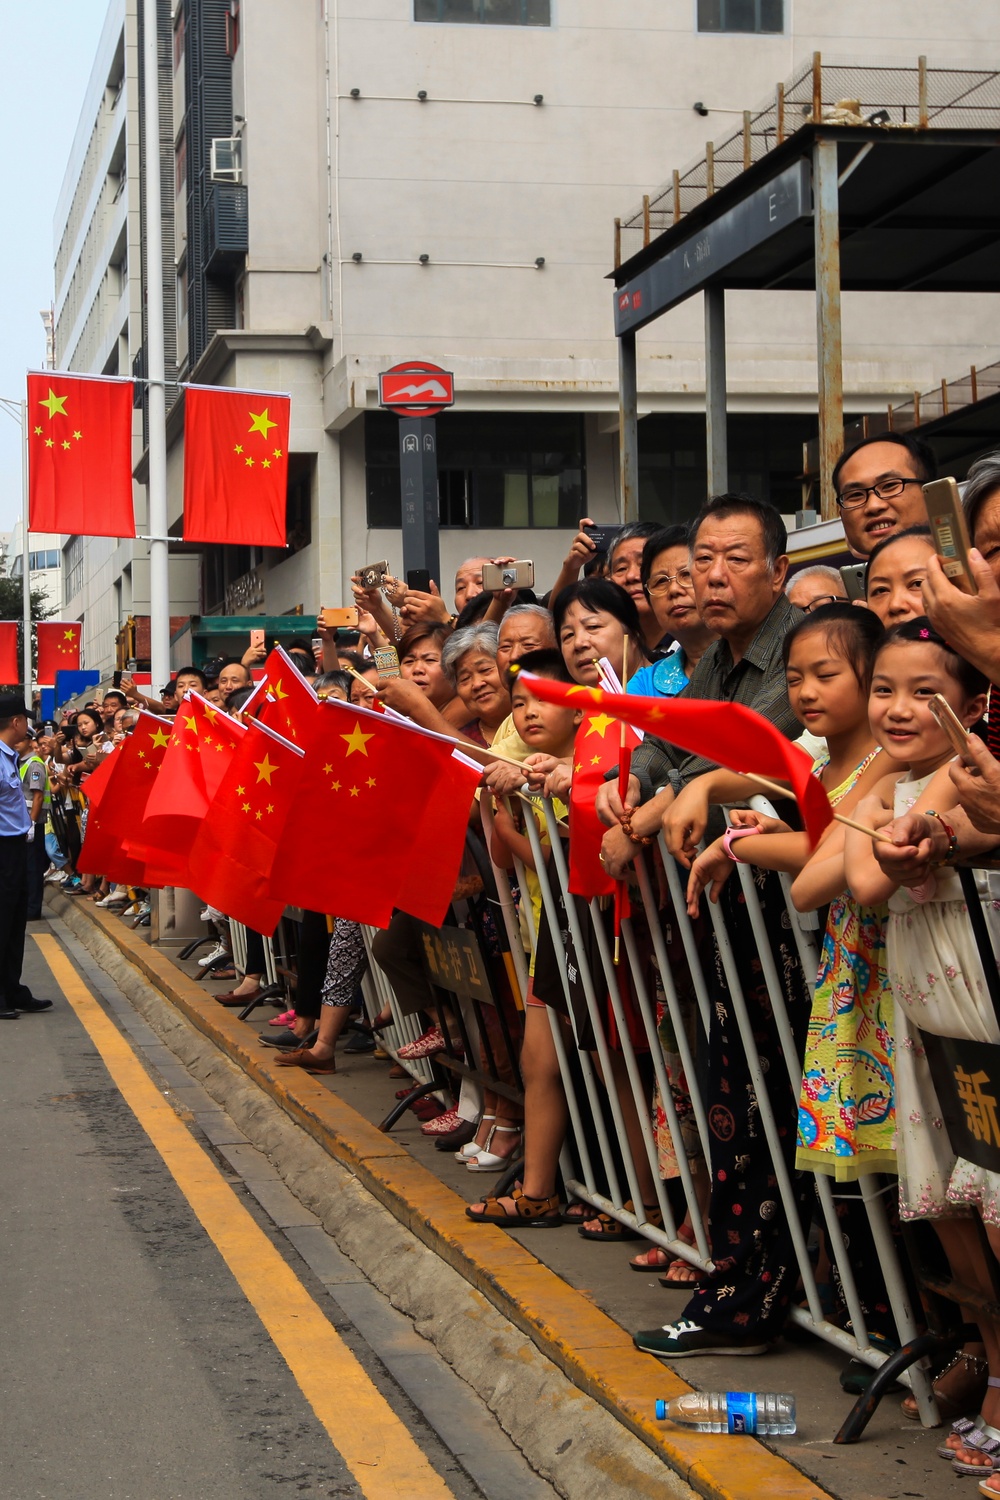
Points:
(819, 570)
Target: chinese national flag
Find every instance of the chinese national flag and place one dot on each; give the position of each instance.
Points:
(80, 455)
(730, 734)
(383, 824)
(596, 751)
(58, 648)
(122, 791)
(10, 672)
(230, 860)
(235, 466)
(202, 745)
(283, 699)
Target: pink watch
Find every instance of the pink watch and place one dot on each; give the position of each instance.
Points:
(730, 835)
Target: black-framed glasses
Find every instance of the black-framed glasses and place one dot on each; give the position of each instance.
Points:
(822, 599)
(661, 585)
(886, 489)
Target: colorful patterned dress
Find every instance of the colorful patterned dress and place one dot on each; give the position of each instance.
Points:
(847, 1102)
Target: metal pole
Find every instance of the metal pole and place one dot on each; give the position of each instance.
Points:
(715, 390)
(628, 427)
(25, 570)
(159, 563)
(826, 228)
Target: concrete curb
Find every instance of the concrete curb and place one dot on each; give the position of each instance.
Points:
(588, 1347)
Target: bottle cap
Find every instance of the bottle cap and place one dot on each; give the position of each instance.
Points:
(661, 1411)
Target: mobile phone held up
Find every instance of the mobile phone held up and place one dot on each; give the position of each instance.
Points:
(853, 575)
(256, 639)
(339, 619)
(513, 575)
(954, 730)
(418, 579)
(372, 575)
(604, 536)
(950, 532)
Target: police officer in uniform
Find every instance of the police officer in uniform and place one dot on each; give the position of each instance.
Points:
(15, 824)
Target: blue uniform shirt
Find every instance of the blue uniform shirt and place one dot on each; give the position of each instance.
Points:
(14, 817)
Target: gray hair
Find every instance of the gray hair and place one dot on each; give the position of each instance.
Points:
(819, 570)
(479, 637)
(983, 481)
(531, 609)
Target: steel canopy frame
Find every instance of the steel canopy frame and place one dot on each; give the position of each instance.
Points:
(832, 208)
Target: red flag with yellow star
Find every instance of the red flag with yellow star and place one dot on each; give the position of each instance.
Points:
(58, 649)
(235, 466)
(379, 810)
(283, 699)
(596, 751)
(231, 859)
(202, 745)
(80, 454)
(115, 814)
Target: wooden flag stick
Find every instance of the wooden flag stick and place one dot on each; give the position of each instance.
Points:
(781, 791)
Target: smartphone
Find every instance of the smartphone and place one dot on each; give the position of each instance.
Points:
(386, 663)
(951, 534)
(853, 575)
(256, 639)
(419, 579)
(372, 574)
(955, 731)
(515, 575)
(116, 679)
(603, 537)
(340, 619)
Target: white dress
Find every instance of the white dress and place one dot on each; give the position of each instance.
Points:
(937, 984)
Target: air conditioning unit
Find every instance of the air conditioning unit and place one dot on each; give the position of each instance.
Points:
(227, 159)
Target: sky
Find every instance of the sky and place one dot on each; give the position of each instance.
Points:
(50, 46)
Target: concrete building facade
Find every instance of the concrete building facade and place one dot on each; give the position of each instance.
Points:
(361, 182)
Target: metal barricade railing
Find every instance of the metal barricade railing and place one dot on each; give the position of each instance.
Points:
(606, 1105)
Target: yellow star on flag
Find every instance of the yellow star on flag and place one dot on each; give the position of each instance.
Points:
(64, 444)
(261, 423)
(191, 723)
(354, 791)
(69, 635)
(356, 740)
(49, 443)
(238, 448)
(38, 432)
(159, 738)
(591, 692)
(265, 463)
(248, 462)
(78, 435)
(265, 769)
(335, 786)
(55, 405)
(241, 791)
(278, 690)
(599, 724)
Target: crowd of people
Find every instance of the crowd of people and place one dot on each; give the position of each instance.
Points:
(708, 611)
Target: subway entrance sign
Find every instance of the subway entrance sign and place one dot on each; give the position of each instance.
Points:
(416, 391)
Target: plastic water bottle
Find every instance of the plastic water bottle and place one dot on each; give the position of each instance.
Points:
(731, 1411)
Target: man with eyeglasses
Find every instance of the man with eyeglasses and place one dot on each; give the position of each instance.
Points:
(878, 487)
(811, 588)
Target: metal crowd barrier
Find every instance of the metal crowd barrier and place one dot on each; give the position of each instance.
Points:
(602, 1106)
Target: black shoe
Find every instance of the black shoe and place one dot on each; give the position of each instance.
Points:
(9, 1015)
(32, 1004)
(283, 1040)
(361, 1042)
(460, 1136)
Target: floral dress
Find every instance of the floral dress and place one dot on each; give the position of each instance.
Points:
(937, 985)
(847, 1100)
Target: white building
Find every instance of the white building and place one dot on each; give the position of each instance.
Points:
(387, 185)
(44, 564)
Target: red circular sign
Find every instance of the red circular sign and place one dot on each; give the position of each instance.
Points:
(416, 389)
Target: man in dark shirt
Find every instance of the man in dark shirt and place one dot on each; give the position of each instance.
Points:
(738, 565)
(16, 830)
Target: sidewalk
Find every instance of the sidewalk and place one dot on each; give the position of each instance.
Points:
(576, 1301)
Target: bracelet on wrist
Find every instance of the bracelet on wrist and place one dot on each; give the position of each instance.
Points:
(952, 851)
(729, 838)
(636, 838)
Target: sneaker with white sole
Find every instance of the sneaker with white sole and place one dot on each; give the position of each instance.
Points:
(219, 951)
(685, 1340)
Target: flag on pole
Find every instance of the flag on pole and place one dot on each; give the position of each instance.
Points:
(595, 752)
(231, 858)
(58, 648)
(283, 699)
(377, 824)
(80, 455)
(121, 792)
(730, 734)
(235, 466)
(10, 671)
(201, 748)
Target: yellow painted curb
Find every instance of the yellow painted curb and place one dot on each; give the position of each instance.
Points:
(596, 1354)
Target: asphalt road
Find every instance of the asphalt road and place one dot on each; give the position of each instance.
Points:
(132, 1365)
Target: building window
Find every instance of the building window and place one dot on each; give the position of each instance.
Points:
(180, 164)
(39, 560)
(765, 460)
(73, 558)
(764, 16)
(179, 38)
(181, 292)
(232, 28)
(492, 12)
(494, 470)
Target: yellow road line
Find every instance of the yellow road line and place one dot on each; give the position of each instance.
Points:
(374, 1443)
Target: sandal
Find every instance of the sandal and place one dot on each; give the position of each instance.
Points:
(609, 1228)
(672, 1279)
(644, 1266)
(952, 1407)
(486, 1160)
(959, 1429)
(985, 1440)
(985, 1488)
(539, 1213)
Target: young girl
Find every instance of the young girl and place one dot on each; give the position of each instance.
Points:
(932, 961)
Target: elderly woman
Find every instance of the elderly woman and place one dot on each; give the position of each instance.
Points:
(666, 580)
(469, 661)
(594, 619)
